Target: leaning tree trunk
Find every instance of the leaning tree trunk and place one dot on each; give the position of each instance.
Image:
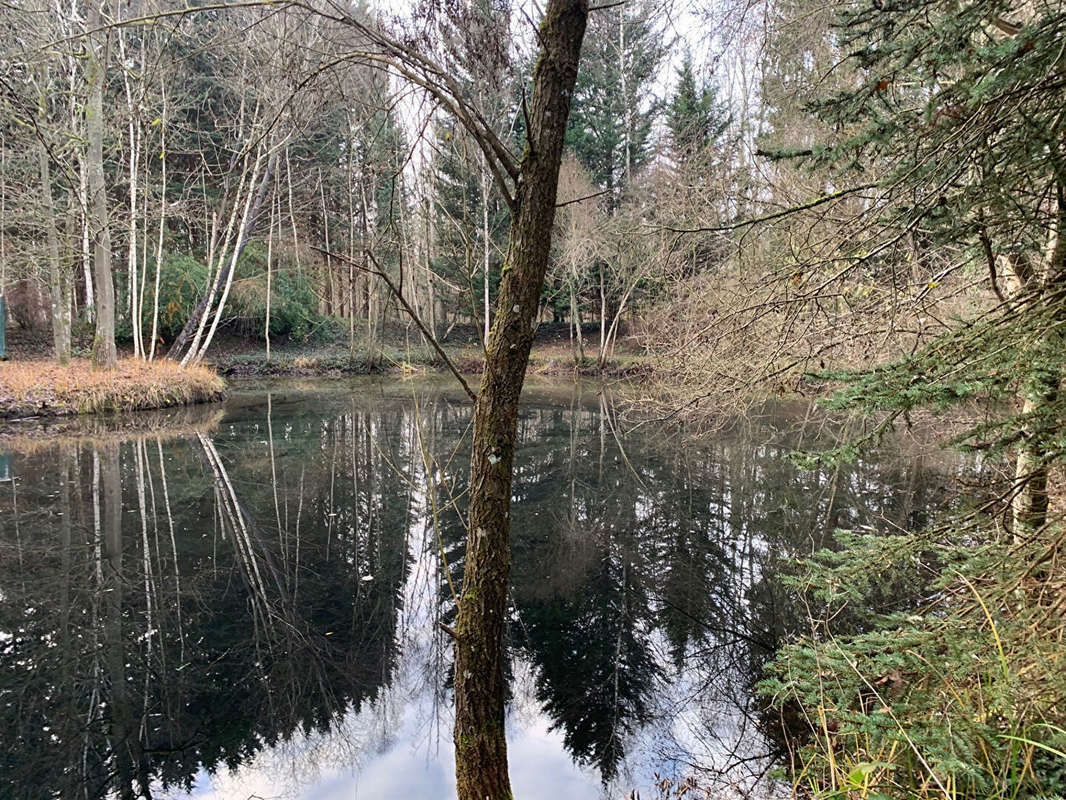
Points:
(196, 322)
(480, 743)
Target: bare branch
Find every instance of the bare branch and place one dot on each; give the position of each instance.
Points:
(380, 273)
(775, 215)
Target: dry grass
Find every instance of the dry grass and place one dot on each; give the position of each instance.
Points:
(43, 388)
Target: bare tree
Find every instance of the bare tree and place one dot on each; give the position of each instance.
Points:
(104, 352)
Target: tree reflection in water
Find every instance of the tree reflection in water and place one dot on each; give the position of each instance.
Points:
(185, 600)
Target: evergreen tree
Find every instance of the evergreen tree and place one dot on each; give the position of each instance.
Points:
(614, 106)
(471, 217)
(460, 205)
(956, 114)
(961, 112)
(694, 116)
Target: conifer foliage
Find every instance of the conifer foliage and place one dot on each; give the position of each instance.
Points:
(955, 687)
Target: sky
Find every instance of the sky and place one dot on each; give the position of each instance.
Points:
(718, 54)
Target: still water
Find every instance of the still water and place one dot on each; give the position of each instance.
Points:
(244, 601)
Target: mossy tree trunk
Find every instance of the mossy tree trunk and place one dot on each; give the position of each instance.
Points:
(104, 352)
(480, 743)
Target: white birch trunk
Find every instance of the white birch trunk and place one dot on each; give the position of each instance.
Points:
(162, 219)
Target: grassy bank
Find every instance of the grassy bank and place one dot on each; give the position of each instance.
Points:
(468, 359)
(42, 388)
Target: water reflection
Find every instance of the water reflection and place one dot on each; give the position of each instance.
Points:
(264, 591)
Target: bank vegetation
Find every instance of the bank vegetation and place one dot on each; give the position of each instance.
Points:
(40, 388)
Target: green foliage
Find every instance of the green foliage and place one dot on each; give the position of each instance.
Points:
(609, 126)
(928, 675)
(182, 281)
(181, 285)
(952, 684)
(694, 115)
(293, 304)
(962, 692)
(964, 117)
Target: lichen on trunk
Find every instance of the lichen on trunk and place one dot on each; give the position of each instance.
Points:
(480, 741)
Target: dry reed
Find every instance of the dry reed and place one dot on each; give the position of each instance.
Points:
(43, 388)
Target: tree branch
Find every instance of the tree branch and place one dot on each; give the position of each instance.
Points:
(776, 215)
(582, 199)
(380, 273)
(990, 256)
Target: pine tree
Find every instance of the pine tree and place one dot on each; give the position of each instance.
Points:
(694, 116)
(471, 217)
(611, 124)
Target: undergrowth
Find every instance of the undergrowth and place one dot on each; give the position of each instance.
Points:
(960, 693)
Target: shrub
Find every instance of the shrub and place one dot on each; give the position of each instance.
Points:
(293, 303)
(962, 696)
(183, 278)
(181, 286)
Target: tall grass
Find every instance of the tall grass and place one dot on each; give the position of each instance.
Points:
(41, 387)
(961, 696)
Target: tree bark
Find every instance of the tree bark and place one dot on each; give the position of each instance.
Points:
(217, 255)
(58, 280)
(132, 164)
(1029, 506)
(86, 250)
(480, 741)
(575, 315)
(104, 352)
(3, 215)
(270, 269)
(485, 245)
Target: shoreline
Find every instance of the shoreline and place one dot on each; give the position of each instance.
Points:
(34, 389)
(42, 389)
(327, 363)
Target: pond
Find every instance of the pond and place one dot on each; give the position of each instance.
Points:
(246, 600)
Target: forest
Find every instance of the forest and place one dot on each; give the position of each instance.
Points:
(680, 377)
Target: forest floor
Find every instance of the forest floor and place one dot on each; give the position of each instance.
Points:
(43, 388)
